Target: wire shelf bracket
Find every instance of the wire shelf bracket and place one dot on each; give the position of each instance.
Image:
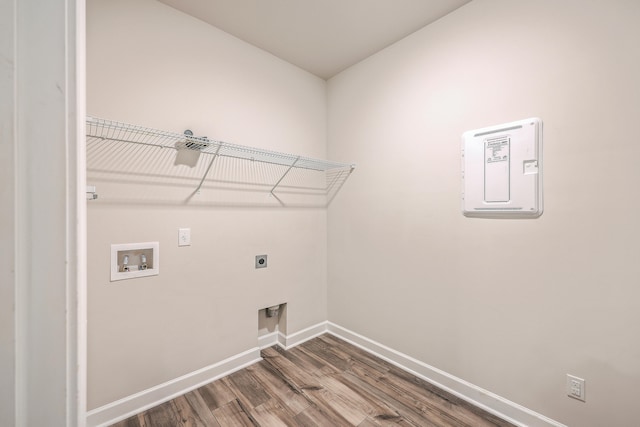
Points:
(284, 175)
(204, 176)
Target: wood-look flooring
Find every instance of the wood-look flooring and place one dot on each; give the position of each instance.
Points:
(323, 382)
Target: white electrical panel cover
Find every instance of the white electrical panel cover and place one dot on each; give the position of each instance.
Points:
(502, 170)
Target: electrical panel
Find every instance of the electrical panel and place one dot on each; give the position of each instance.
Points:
(502, 170)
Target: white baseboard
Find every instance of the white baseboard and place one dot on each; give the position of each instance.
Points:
(290, 341)
(281, 340)
(297, 338)
(139, 402)
(268, 340)
(490, 402)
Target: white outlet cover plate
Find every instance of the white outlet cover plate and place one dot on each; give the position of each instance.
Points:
(184, 237)
(575, 387)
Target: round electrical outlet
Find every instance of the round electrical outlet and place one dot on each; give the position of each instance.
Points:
(261, 261)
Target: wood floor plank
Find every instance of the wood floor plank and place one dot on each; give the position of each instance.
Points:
(298, 378)
(363, 356)
(301, 357)
(200, 409)
(473, 414)
(315, 417)
(232, 415)
(321, 399)
(273, 414)
(403, 408)
(346, 410)
(358, 398)
(410, 406)
(351, 352)
(305, 363)
(445, 405)
(322, 382)
(373, 422)
(144, 419)
(129, 422)
(368, 422)
(164, 416)
(270, 412)
(432, 403)
(279, 388)
(246, 388)
(216, 394)
(188, 417)
(402, 405)
(321, 349)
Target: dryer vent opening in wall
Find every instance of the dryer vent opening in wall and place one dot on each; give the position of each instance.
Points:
(502, 170)
(272, 325)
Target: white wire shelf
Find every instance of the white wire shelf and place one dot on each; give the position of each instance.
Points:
(123, 149)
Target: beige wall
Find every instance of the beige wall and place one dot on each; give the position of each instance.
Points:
(508, 305)
(153, 66)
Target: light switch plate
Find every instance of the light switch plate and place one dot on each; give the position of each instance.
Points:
(184, 237)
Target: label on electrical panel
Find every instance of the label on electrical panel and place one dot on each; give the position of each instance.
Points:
(496, 169)
(497, 149)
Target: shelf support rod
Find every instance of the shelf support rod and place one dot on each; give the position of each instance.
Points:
(215, 156)
(285, 174)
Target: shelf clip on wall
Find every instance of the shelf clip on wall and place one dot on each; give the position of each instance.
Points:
(285, 174)
(215, 156)
(91, 192)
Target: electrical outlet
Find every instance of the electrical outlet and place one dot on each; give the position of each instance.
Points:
(261, 261)
(575, 387)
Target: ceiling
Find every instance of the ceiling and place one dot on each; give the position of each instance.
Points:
(323, 37)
